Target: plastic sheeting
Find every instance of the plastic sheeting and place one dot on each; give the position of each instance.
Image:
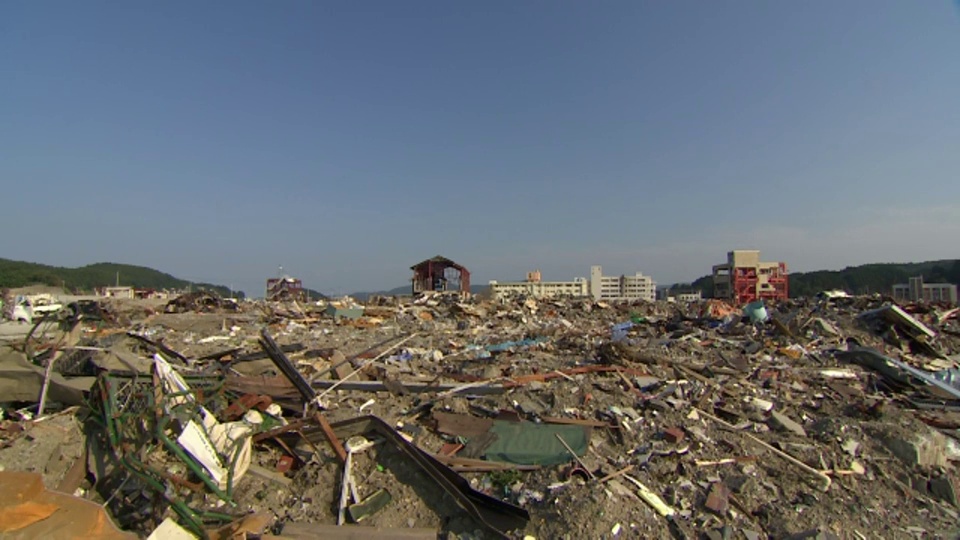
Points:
(527, 443)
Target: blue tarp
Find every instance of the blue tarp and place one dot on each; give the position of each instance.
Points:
(619, 331)
(499, 347)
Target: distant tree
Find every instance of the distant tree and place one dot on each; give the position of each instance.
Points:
(87, 278)
(953, 275)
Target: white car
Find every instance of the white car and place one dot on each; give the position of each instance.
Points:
(27, 308)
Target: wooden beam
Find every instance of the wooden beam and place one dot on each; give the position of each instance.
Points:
(331, 437)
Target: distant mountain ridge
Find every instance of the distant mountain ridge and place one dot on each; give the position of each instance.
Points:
(864, 279)
(87, 278)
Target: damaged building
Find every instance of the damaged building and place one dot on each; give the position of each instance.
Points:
(535, 286)
(285, 288)
(744, 278)
(598, 287)
(440, 274)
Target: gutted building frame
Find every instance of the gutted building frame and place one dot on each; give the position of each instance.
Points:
(440, 274)
(744, 278)
(285, 288)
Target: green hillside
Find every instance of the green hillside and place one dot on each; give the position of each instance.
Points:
(87, 278)
(863, 279)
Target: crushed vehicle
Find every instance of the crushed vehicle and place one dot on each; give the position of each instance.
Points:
(28, 308)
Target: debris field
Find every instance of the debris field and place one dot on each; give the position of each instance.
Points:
(451, 416)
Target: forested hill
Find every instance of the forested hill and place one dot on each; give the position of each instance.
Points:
(863, 279)
(89, 277)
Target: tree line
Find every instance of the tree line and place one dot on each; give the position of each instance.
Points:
(86, 279)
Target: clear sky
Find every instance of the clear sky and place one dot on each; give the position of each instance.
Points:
(347, 141)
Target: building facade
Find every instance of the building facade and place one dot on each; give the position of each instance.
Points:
(744, 278)
(540, 289)
(439, 274)
(598, 286)
(616, 288)
(689, 296)
(918, 291)
(118, 292)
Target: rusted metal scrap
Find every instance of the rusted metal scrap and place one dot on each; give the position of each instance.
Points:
(286, 367)
(495, 516)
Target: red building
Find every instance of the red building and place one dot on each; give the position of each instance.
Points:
(745, 279)
(440, 274)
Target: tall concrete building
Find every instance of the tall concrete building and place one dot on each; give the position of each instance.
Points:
(598, 286)
(918, 291)
(635, 287)
(744, 278)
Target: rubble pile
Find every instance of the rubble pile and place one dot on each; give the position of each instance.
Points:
(454, 417)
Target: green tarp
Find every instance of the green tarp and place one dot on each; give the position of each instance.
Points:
(528, 443)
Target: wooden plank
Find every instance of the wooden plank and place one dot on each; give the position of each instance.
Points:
(272, 476)
(292, 426)
(331, 437)
(341, 368)
(577, 422)
(462, 424)
(75, 474)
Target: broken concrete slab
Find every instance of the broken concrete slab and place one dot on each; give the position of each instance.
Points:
(895, 315)
(945, 489)
(784, 423)
(718, 500)
(926, 448)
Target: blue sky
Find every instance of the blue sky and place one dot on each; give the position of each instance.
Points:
(348, 140)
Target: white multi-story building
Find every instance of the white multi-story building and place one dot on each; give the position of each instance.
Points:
(598, 286)
(918, 291)
(635, 287)
(689, 296)
(540, 289)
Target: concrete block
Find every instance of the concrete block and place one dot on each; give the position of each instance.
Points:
(784, 423)
(945, 489)
(920, 483)
(718, 500)
(926, 448)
